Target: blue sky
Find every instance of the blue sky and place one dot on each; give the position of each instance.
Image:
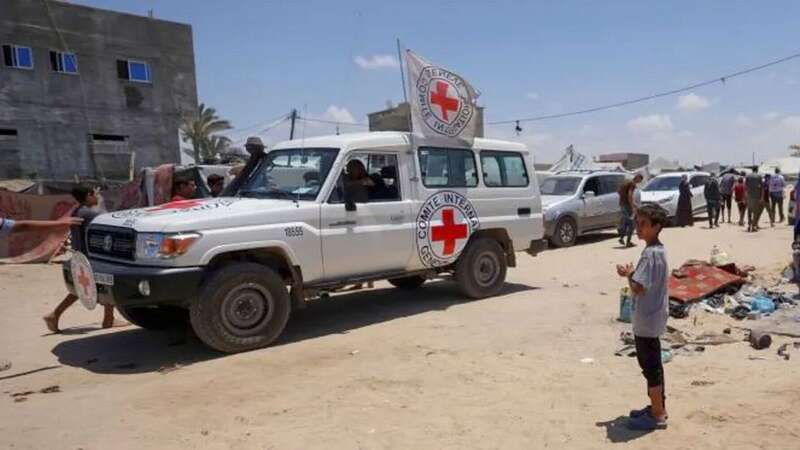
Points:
(258, 59)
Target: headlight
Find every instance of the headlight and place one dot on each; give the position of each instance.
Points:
(163, 246)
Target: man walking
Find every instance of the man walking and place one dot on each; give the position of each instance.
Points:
(754, 186)
(712, 194)
(776, 186)
(726, 189)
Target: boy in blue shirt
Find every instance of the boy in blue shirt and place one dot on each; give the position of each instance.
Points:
(648, 282)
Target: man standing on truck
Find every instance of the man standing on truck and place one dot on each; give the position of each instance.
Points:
(86, 196)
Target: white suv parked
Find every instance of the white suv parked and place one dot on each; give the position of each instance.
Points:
(663, 190)
(304, 220)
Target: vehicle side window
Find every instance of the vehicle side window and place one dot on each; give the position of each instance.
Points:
(592, 185)
(445, 167)
(610, 184)
(503, 169)
(699, 180)
(377, 182)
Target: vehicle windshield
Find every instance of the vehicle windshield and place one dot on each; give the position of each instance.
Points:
(663, 184)
(560, 185)
(295, 174)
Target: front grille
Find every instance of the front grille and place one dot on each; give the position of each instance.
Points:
(115, 242)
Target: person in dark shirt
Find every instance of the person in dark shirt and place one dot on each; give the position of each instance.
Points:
(86, 196)
(216, 184)
(713, 198)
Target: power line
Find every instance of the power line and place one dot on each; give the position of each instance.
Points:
(259, 124)
(332, 122)
(721, 79)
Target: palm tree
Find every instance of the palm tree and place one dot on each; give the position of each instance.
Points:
(200, 129)
(216, 145)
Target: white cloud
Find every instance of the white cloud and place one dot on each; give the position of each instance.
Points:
(532, 95)
(338, 114)
(692, 102)
(377, 62)
(654, 123)
(770, 116)
(791, 123)
(743, 121)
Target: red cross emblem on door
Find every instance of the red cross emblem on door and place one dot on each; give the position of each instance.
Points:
(439, 98)
(449, 232)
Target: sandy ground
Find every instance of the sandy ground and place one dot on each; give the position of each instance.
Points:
(386, 369)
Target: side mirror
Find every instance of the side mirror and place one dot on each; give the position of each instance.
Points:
(588, 194)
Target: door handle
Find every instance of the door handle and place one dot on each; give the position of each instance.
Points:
(343, 223)
(524, 211)
(396, 218)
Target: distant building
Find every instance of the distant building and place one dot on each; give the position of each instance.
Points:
(89, 92)
(396, 118)
(629, 161)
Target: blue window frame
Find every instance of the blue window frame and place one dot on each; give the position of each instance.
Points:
(17, 56)
(63, 62)
(139, 71)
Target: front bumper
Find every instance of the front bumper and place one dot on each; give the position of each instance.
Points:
(168, 285)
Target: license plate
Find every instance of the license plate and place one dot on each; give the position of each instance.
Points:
(106, 279)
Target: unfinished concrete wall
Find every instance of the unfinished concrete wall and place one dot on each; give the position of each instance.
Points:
(56, 114)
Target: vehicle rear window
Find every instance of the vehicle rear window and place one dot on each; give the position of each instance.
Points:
(447, 167)
(503, 169)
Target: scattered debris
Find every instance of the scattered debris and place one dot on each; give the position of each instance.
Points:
(354, 352)
(759, 340)
(50, 389)
(4, 365)
(587, 360)
(703, 383)
(783, 351)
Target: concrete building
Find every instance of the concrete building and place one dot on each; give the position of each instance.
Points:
(396, 118)
(90, 92)
(629, 161)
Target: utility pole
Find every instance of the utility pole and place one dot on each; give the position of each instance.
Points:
(294, 118)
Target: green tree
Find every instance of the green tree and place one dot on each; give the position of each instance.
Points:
(200, 129)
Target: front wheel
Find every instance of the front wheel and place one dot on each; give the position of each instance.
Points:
(566, 232)
(481, 269)
(241, 307)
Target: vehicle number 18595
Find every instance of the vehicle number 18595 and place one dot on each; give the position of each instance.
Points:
(294, 231)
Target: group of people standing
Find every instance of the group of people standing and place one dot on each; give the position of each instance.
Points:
(752, 193)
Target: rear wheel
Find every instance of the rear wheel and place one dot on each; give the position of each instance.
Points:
(566, 232)
(155, 317)
(408, 283)
(481, 269)
(242, 307)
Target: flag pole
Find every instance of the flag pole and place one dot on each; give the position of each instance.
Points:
(411, 153)
(403, 80)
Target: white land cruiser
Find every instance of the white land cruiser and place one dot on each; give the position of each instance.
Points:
(310, 217)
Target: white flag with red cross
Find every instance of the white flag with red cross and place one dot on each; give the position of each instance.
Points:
(443, 104)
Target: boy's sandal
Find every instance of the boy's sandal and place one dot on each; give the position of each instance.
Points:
(646, 422)
(641, 412)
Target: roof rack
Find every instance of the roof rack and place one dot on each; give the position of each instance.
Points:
(580, 171)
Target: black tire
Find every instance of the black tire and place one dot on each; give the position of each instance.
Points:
(481, 269)
(155, 317)
(408, 283)
(565, 233)
(241, 307)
